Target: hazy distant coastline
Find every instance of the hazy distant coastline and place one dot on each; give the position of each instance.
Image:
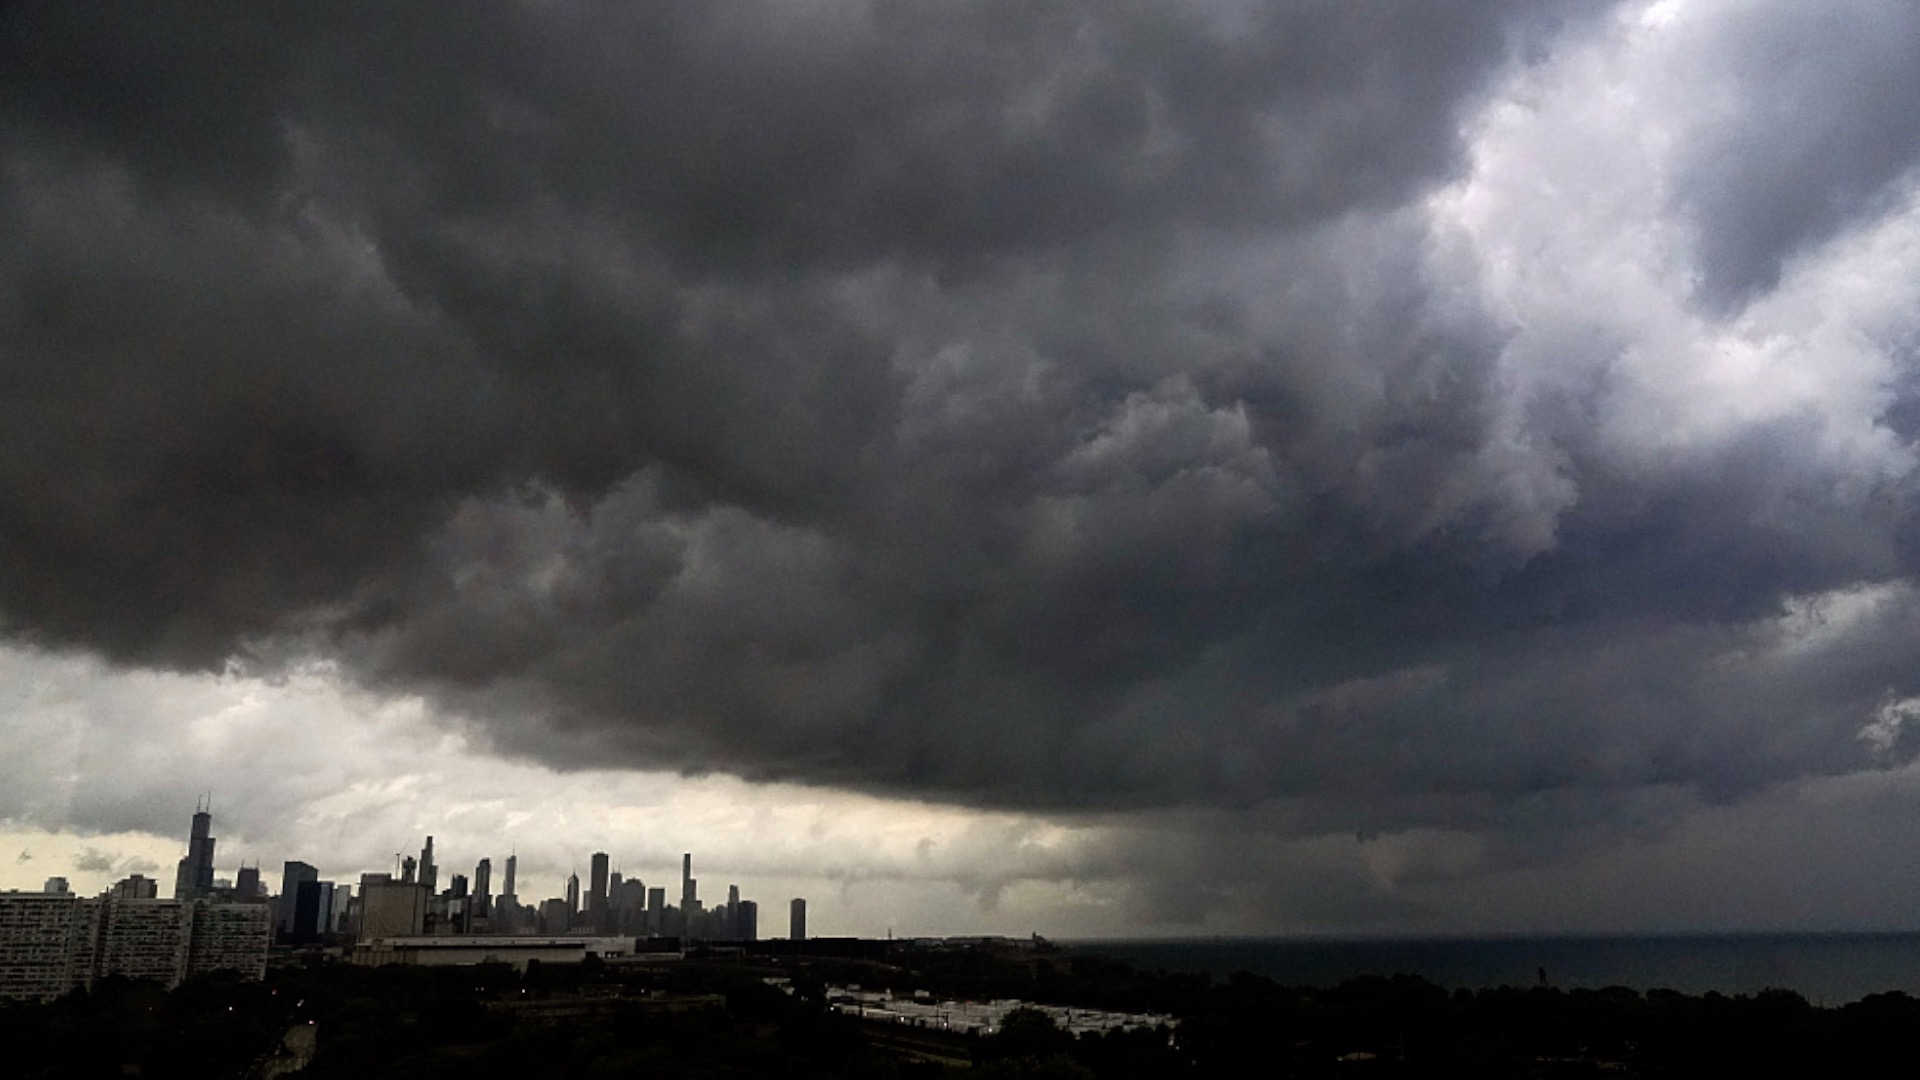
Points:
(1828, 968)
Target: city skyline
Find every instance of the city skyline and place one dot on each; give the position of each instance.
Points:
(650, 861)
(609, 896)
(1104, 470)
(308, 907)
(55, 940)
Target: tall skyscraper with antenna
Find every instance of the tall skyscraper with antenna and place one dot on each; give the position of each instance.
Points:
(194, 878)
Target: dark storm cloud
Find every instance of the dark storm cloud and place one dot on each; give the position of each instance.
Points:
(1012, 403)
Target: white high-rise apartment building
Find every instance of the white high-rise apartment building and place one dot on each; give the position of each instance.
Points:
(44, 937)
(52, 943)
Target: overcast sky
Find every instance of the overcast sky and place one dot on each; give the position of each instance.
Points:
(1109, 468)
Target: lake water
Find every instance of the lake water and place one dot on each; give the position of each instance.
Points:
(1830, 969)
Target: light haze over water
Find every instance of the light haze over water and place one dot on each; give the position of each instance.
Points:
(1828, 969)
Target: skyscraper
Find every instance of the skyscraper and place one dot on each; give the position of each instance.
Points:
(573, 894)
(507, 915)
(290, 878)
(456, 906)
(135, 887)
(312, 910)
(391, 908)
(339, 915)
(626, 906)
(482, 882)
(797, 927)
(194, 877)
(686, 883)
(246, 884)
(429, 873)
(597, 892)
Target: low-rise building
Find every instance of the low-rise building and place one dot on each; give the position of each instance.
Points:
(449, 950)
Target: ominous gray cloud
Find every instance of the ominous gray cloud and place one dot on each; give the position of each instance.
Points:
(1025, 404)
(1814, 130)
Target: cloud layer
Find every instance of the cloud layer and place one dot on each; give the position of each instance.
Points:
(1338, 416)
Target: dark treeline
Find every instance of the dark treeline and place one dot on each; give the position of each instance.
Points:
(722, 1019)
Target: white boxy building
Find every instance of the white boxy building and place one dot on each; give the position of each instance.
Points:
(52, 943)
